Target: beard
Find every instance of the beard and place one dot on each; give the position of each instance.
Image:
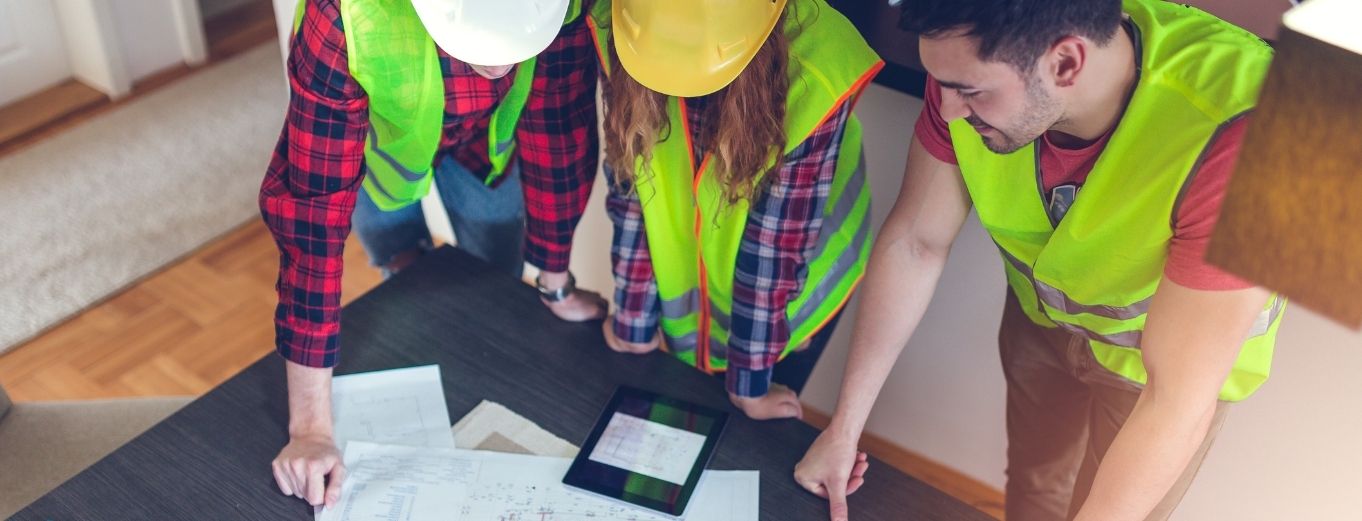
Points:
(1040, 113)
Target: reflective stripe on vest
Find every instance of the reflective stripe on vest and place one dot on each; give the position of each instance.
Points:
(393, 58)
(688, 303)
(1095, 272)
(1055, 298)
(694, 235)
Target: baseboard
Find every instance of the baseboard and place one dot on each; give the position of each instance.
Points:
(968, 490)
(29, 115)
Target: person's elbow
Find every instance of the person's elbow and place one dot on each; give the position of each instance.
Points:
(1187, 401)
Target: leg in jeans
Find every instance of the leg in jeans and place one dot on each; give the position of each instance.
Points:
(389, 237)
(1047, 417)
(795, 369)
(1113, 400)
(488, 222)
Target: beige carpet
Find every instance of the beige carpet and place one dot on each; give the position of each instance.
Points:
(95, 208)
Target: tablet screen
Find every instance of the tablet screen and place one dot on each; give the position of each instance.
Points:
(648, 450)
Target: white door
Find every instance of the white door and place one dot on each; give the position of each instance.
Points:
(32, 49)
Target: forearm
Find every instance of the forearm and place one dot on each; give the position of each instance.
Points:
(905, 264)
(636, 297)
(1148, 456)
(309, 400)
(892, 305)
(557, 146)
(1191, 341)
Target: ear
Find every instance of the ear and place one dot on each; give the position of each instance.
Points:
(1066, 59)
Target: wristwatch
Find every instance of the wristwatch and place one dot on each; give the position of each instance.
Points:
(556, 294)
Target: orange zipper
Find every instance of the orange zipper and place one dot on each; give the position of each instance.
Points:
(702, 346)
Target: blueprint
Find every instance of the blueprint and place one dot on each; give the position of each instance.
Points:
(397, 406)
(397, 483)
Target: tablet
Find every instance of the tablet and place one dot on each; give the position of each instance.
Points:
(647, 450)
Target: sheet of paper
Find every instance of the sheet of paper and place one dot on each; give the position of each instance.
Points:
(417, 484)
(398, 483)
(398, 407)
(649, 448)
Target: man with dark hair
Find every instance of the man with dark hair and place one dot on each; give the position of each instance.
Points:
(1122, 348)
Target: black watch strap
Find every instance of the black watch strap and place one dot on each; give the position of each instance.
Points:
(556, 294)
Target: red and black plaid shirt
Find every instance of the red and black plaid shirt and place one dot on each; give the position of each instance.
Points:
(309, 190)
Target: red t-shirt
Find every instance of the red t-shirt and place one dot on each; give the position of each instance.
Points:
(1064, 170)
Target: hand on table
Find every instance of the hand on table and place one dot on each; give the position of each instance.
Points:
(621, 346)
(832, 469)
(779, 402)
(301, 469)
(582, 305)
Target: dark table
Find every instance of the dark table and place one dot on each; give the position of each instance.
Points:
(493, 340)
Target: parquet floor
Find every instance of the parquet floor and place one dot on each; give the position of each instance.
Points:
(182, 330)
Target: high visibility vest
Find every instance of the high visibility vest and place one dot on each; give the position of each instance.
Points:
(1095, 272)
(694, 234)
(394, 59)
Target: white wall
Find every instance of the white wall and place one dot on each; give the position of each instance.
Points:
(113, 44)
(93, 43)
(32, 51)
(148, 35)
(283, 23)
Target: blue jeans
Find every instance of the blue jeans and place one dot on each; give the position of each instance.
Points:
(488, 222)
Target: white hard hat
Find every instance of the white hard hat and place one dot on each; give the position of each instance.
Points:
(492, 32)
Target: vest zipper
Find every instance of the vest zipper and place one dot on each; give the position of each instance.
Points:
(702, 347)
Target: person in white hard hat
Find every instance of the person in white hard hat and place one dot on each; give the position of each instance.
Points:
(493, 100)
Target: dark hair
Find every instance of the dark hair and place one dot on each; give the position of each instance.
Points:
(1015, 32)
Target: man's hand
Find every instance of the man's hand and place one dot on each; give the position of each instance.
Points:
(302, 469)
(620, 346)
(579, 306)
(779, 402)
(582, 305)
(832, 469)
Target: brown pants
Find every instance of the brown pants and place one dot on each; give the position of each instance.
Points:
(1063, 411)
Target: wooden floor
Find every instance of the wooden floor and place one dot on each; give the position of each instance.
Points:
(177, 332)
(34, 112)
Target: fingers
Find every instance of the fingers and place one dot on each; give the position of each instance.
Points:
(608, 331)
(285, 484)
(837, 499)
(858, 473)
(333, 486)
(602, 305)
(297, 471)
(854, 485)
(790, 406)
(819, 490)
(581, 306)
(859, 469)
(316, 483)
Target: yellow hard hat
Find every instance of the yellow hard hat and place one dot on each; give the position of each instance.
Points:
(691, 47)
